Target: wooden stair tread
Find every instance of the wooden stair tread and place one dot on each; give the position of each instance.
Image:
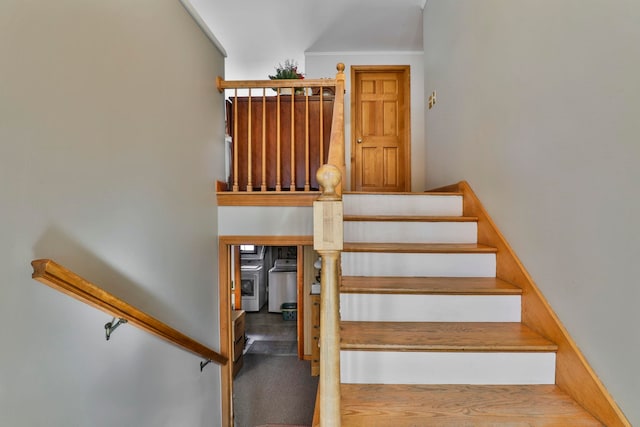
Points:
(428, 285)
(419, 247)
(442, 336)
(391, 405)
(409, 218)
(404, 193)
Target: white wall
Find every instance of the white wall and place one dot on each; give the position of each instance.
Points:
(323, 64)
(259, 34)
(111, 138)
(538, 106)
(265, 221)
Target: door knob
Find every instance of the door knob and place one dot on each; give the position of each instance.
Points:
(359, 140)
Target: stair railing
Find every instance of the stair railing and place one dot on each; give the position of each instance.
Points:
(280, 131)
(336, 143)
(328, 242)
(66, 281)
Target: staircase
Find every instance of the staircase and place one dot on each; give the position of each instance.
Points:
(429, 335)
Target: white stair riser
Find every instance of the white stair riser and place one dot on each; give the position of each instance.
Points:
(418, 264)
(399, 204)
(377, 367)
(430, 308)
(410, 232)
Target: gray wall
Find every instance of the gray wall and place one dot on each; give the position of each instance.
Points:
(111, 137)
(538, 107)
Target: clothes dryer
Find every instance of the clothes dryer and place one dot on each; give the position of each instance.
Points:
(283, 284)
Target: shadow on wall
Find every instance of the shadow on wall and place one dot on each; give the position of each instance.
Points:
(351, 30)
(55, 244)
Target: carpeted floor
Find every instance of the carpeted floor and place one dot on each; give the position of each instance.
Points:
(274, 348)
(281, 425)
(274, 387)
(274, 390)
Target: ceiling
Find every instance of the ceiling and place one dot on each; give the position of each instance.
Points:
(258, 34)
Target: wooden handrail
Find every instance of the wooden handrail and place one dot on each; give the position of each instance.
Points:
(223, 84)
(336, 147)
(66, 281)
(273, 150)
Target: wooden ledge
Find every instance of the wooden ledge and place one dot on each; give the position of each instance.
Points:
(419, 247)
(409, 218)
(442, 336)
(427, 285)
(398, 405)
(413, 193)
(270, 198)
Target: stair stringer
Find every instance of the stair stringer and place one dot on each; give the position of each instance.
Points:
(574, 375)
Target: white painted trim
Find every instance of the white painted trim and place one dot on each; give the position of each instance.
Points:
(366, 53)
(265, 221)
(410, 232)
(418, 264)
(385, 367)
(203, 26)
(403, 204)
(430, 308)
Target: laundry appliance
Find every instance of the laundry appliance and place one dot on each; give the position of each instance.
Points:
(253, 285)
(283, 284)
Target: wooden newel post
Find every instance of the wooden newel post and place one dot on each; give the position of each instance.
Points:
(328, 241)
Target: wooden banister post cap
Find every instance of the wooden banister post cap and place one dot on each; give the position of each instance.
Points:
(329, 178)
(340, 67)
(219, 81)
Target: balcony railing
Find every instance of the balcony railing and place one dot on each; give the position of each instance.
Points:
(281, 131)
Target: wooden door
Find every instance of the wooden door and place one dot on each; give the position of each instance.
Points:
(380, 128)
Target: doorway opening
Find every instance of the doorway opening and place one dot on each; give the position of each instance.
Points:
(269, 298)
(264, 293)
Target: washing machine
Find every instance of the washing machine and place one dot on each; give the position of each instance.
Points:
(252, 286)
(283, 284)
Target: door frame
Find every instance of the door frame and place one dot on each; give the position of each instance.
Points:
(406, 77)
(225, 243)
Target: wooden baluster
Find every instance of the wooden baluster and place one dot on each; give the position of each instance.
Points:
(292, 184)
(263, 186)
(328, 242)
(235, 141)
(249, 147)
(278, 182)
(307, 187)
(322, 159)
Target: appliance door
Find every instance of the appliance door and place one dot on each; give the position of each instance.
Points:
(250, 288)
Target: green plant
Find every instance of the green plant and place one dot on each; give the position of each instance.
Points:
(288, 70)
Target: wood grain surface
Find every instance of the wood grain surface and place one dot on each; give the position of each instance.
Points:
(441, 248)
(428, 285)
(377, 405)
(442, 336)
(66, 281)
(409, 218)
